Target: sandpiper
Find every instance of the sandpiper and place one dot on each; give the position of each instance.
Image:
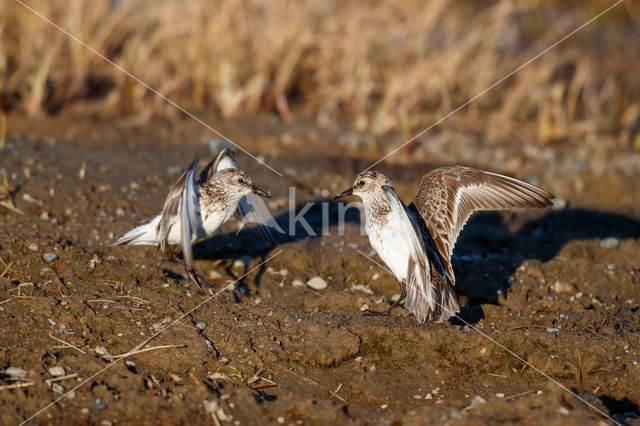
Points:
(195, 209)
(416, 241)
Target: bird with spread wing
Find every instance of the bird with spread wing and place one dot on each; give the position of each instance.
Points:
(196, 208)
(416, 241)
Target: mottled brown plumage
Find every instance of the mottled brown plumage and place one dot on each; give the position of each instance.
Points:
(448, 196)
(416, 242)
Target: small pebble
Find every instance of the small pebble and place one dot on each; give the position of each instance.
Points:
(52, 322)
(106, 423)
(297, 283)
(457, 414)
(429, 396)
(57, 388)
(201, 325)
(100, 350)
(57, 371)
(478, 400)
(280, 420)
(85, 411)
(500, 395)
(99, 404)
(559, 203)
(553, 330)
(317, 283)
(610, 242)
(210, 406)
(363, 288)
(16, 372)
(372, 368)
(33, 247)
(71, 394)
(49, 257)
(284, 272)
(364, 307)
(417, 396)
(564, 411)
(611, 266)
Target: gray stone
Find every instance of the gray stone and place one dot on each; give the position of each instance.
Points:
(16, 372)
(201, 325)
(99, 404)
(478, 400)
(57, 371)
(610, 242)
(49, 257)
(57, 388)
(317, 283)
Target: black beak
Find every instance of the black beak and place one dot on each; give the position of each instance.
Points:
(344, 194)
(260, 192)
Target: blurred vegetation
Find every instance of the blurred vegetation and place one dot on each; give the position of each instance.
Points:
(373, 65)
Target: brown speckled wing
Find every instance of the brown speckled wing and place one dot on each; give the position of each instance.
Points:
(448, 196)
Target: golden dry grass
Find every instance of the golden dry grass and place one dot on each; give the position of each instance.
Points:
(377, 66)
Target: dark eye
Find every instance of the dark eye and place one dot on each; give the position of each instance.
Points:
(240, 180)
(361, 183)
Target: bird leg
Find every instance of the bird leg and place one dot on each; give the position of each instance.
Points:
(403, 295)
(192, 273)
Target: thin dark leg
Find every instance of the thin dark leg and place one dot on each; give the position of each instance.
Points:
(191, 273)
(403, 295)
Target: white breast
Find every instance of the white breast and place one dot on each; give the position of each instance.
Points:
(392, 243)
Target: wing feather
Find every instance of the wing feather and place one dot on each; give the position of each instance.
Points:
(448, 196)
(422, 298)
(189, 214)
(171, 207)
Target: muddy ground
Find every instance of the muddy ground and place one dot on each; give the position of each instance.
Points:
(559, 288)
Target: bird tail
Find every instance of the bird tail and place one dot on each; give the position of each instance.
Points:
(145, 235)
(448, 302)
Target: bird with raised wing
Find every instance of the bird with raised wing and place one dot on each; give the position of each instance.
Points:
(416, 241)
(195, 209)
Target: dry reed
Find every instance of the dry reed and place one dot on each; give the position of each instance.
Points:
(377, 66)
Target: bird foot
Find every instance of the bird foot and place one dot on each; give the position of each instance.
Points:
(371, 312)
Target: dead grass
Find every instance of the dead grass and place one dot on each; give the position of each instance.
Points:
(377, 66)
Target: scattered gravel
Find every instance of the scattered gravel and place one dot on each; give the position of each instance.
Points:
(99, 404)
(297, 283)
(610, 242)
(57, 371)
(49, 257)
(16, 372)
(57, 388)
(317, 283)
(361, 287)
(478, 400)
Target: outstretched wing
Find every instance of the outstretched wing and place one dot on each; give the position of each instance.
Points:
(448, 196)
(189, 214)
(424, 298)
(251, 207)
(184, 190)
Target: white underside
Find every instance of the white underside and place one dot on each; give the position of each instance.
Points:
(147, 234)
(395, 251)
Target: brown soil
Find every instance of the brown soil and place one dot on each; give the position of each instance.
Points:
(539, 284)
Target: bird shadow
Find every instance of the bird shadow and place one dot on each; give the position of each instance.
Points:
(486, 256)
(320, 216)
(487, 253)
